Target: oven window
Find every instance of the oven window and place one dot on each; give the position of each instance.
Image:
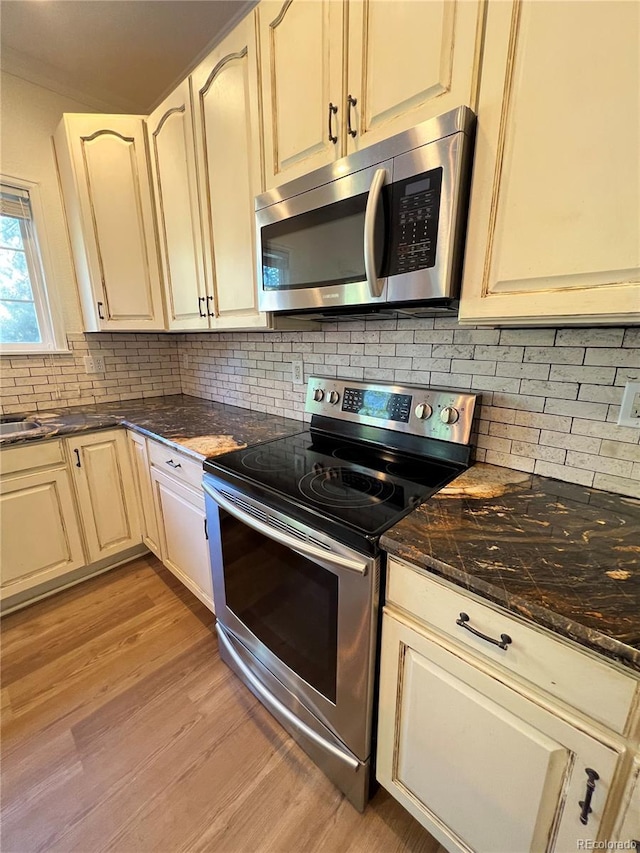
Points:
(320, 248)
(287, 601)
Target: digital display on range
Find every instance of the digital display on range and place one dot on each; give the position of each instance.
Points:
(383, 405)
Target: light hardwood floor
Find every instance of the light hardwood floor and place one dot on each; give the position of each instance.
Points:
(123, 731)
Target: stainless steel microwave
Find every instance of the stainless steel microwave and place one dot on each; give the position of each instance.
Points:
(381, 230)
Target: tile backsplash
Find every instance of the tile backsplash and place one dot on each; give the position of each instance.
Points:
(550, 397)
(135, 366)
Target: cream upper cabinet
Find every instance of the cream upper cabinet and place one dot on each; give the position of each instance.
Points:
(302, 74)
(340, 75)
(106, 187)
(39, 532)
(408, 62)
(554, 220)
(227, 125)
(173, 167)
(105, 487)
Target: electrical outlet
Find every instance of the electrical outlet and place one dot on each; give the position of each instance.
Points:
(630, 406)
(94, 363)
(297, 371)
(184, 361)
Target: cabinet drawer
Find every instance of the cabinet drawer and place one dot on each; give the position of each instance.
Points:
(534, 654)
(175, 464)
(28, 456)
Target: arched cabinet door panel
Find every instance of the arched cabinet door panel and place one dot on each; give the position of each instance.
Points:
(106, 187)
(227, 129)
(173, 166)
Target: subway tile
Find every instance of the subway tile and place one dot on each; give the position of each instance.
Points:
(543, 421)
(499, 353)
(475, 368)
(562, 390)
(528, 337)
(569, 441)
(620, 450)
(621, 485)
(539, 451)
(508, 460)
(476, 336)
(573, 408)
(619, 357)
(522, 370)
(607, 337)
(554, 355)
(603, 464)
(611, 394)
(436, 336)
(564, 472)
(579, 373)
(514, 432)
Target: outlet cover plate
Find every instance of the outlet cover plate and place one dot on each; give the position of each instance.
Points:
(630, 406)
(297, 371)
(94, 363)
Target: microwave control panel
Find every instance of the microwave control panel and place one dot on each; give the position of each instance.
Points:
(415, 211)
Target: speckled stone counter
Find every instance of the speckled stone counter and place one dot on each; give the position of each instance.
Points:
(565, 556)
(198, 427)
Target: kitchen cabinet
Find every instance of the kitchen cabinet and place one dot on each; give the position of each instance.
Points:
(180, 509)
(332, 82)
(629, 822)
(227, 130)
(106, 187)
(173, 167)
(142, 478)
(40, 537)
(463, 721)
(554, 216)
(106, 493)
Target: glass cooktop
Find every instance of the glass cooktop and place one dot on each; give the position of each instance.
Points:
(364, 487)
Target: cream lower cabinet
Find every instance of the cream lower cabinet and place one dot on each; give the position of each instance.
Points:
(628, 829)
(142, 477)
(521, 749)
(554, 215)
(173, 500)
(104, 175)
(40, 537)
(107, 499)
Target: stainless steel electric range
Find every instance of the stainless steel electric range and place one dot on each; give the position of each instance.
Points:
(294, 526)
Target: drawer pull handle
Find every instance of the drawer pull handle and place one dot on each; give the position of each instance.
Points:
(78, 462)
(332, 111)
(503, 643)
(351, 102)
(201, 303)
(585, 805)
(173, 464)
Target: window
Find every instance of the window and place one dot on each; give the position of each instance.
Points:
(27, 321)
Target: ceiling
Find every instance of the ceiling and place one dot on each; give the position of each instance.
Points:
(113, 55)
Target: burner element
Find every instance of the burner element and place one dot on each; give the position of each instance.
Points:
(263, 460)
(344, 487)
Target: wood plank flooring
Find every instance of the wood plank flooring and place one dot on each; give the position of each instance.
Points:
(123, 731)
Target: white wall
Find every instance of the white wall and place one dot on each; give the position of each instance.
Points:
(30, 114)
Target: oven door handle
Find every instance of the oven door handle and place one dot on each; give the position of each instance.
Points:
(302, 548)
(375, 284)
(279, 709)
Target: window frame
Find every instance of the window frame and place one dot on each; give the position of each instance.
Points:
(41, 276)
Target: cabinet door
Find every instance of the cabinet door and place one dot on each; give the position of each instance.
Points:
(227, 125)
(185, 549)
(302, 72)
(173, 166)
(106, 493)
(438, 43)
(39, 532)
(628, 829)
(450, 734)
(554, 218)
(142, 477)
(107, 192)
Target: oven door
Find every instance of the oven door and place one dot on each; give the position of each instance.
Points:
(325, 247)
(302, 604)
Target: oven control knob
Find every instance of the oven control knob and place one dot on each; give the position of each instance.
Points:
(423, 411)
(449, 415)
(333, 397)
(318, 395)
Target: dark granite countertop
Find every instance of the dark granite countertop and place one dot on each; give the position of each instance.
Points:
(564, 556)
(199, 428)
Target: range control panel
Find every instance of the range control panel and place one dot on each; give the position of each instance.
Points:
(431, 412)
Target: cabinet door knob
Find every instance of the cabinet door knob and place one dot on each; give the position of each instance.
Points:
(332, 111)
(351, 102)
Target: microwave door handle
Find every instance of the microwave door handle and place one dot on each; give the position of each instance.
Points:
(375, 284)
